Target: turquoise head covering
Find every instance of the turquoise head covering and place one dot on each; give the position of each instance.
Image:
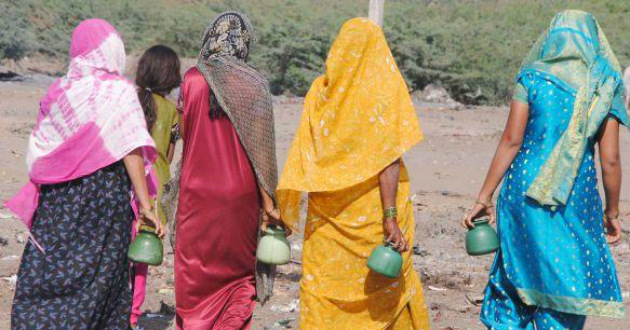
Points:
(575, 50)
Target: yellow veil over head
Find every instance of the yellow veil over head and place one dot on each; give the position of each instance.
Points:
(358, 118)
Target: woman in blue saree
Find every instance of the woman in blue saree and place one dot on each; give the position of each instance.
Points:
(554, 266)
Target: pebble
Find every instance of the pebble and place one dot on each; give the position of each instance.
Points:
(295, 246)
(289, 308)
(20, 239)
(464, 309)
(5, 216)
(622, 249)
(475, 299)
(285, 323)
(417, 250)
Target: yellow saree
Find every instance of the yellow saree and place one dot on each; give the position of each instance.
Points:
(358, 118)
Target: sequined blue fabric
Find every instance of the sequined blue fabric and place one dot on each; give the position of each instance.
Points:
(555, 258)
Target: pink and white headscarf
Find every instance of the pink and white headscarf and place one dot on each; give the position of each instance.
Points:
(89, 119)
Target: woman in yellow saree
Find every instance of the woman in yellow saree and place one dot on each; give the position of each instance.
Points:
(358, 121)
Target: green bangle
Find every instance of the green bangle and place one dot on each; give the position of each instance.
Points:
(390, 212)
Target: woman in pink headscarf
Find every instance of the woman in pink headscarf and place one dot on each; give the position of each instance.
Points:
(87, 159)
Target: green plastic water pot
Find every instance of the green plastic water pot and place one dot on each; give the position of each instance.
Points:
(385, 261)
(146, 249)
(274, 248)
(482, 239)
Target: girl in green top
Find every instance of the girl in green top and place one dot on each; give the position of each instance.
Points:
(157, 75)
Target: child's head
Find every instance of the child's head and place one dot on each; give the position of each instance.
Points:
(158, 72)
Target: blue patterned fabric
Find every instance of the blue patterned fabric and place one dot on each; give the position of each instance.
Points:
(82, 282)
(552, 257)
(574, 51)
(504, 310)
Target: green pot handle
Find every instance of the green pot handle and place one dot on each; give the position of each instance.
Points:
(481, 221)
(274, 229)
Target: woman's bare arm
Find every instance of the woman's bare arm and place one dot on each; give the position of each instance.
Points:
(181, 124)
(271, 214)
(508, 147)
(134, 163)
(611, 176)
(388, 184)
(171, 152)
(267, 202)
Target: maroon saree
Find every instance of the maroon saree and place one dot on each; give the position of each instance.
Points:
(217, 219)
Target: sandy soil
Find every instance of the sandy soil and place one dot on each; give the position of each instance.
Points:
(446, 172)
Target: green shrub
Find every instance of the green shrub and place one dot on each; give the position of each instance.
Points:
(471, 47)
(16, 39)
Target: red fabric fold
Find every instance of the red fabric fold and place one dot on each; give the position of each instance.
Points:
(217, 220)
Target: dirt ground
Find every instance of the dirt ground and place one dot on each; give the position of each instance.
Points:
(446, 171)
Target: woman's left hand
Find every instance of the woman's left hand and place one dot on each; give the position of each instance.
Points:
(394, 235)
(613, 230)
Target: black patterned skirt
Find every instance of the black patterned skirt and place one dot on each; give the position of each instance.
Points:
(82, 280)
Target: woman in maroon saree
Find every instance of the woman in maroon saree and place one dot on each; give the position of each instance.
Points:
(226, 180)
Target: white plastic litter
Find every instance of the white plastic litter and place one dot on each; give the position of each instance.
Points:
(11, 279)
(435, 288)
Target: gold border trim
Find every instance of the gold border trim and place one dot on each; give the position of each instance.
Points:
(572, 305)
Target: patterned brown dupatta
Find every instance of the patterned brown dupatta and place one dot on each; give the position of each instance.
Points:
(243, 94)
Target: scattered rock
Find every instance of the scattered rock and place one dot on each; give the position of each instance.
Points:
(622, 249)
(166, 309)
(6, 216)
(285, 323)
(21, 130)
(438, 317)
(165, 291)
(417, 250)
(476, 300)
(296, 246)
(20, 239)
(437, 94)
(289, 308)
(464, 309)
(10, 76)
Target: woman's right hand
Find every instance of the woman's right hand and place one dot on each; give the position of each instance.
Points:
(273, 217)
(613, 229)
(148, 217)
(478, 210)
(394, 235)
